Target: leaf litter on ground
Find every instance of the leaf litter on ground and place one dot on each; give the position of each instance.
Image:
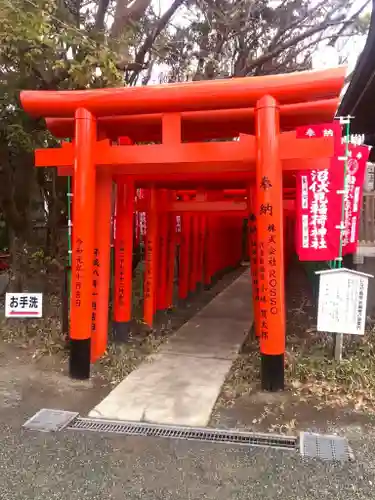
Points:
(311, 373)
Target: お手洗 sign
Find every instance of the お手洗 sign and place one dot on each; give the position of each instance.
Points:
(23, 305)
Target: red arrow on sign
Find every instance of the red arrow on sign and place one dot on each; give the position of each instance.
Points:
(22, 313)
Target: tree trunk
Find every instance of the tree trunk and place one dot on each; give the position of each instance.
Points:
(19, 257)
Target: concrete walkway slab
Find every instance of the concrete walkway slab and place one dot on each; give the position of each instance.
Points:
(171, 389)
(213, 339)
(179, 385)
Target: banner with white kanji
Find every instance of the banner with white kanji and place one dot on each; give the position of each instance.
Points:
(318, 207)
(355, 178)
(319, 131)
(319, 199)
(318, 210)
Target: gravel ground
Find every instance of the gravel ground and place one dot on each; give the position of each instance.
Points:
(75, 466)
(78, 466)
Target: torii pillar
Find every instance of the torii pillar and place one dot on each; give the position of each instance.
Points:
(269, 216)
(83, 244)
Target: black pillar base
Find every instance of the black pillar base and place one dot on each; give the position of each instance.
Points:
(120, 331)
(272, 372)
(79, 360)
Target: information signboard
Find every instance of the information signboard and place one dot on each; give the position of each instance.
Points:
(342, 301)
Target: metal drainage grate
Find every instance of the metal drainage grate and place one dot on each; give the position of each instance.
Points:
(187, 433)
(46, 420)
(325, 447)
(333, 448)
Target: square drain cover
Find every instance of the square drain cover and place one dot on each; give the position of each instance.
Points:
(325, 447)
(46, 420)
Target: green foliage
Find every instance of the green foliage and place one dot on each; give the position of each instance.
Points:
(40, 49)
(43, 45)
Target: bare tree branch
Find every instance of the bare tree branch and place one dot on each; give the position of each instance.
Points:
(100, 15)
(151, 37)
(128, 11)
(292, 42)
(284, 30)
(345, 25)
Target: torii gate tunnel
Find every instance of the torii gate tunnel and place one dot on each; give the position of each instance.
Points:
(249, 173)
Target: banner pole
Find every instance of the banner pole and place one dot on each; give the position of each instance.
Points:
(339, 337)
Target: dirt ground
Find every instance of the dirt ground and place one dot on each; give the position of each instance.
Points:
(34, 359)
(28, 387)
(320, 394)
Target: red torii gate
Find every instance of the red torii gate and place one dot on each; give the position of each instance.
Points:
(261, 159)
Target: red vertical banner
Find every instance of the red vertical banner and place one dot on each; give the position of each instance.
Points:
(319, 213)
(318, 205)
(320, 195)
(355, 176)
